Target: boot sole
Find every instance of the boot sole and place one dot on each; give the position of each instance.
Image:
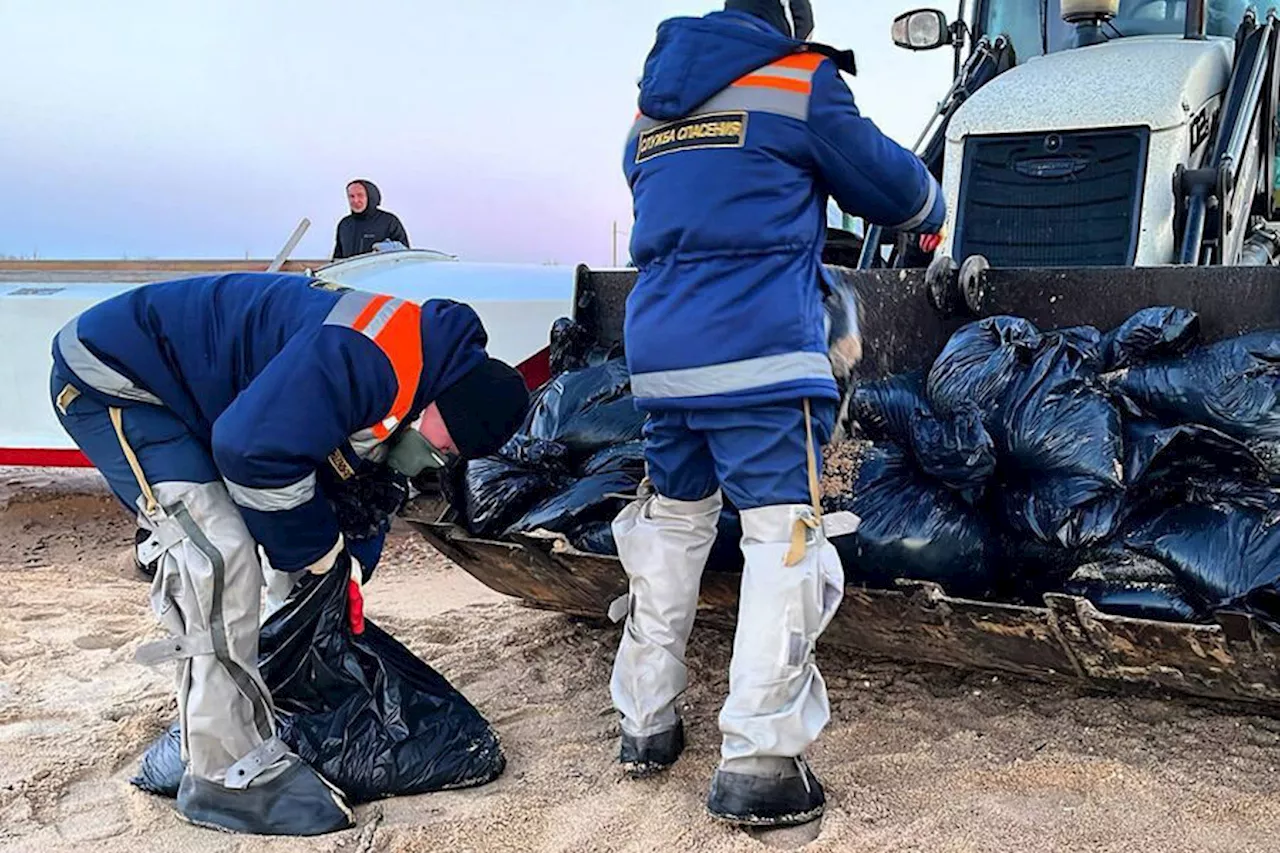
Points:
(220, 828)
(797, 819)
(644, 769)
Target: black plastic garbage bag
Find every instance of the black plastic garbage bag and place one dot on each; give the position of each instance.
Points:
(1232, 386)
(360, 709)
(1056, 417)
(1064, 510)
(549, 456)
(911, 528)
(885, 408)
(594, 537)
(955, 448)
(591, 499)
(497, 492)
(979, 363)
(628, 457)
(588, 409)
(726, 552)
(162, 766)
(570, 343)
(1152, 334)
(1123, 583)
(1168, 465)
(1226, 555)
(1060, 444)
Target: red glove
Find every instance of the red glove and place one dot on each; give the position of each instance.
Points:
(929, 242)
(340, 556)
(355, 599)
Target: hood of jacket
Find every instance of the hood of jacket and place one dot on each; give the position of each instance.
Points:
(694, 58)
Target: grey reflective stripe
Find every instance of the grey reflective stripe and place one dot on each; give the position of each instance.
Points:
(262, 710)
(760, 99)
(803, 74)
(348, 308)
(735, 376)
(276, 499)
(374, 326)
(93, 372)
(923, 214)
(364, 443)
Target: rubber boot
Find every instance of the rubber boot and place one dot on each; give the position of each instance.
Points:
(792, 584)
(663, 544)
(292, 799)
(240, 776)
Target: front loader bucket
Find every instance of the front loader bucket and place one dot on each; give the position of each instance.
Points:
(1067, 639)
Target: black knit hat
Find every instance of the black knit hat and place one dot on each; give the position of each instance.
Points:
(772, 12)
(484, 408)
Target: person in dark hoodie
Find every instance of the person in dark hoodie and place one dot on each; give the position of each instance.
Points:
(744, 131)
(366, 225)
(222, 410)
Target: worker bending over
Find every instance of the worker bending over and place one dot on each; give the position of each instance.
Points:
(744, 132)
(217, 408)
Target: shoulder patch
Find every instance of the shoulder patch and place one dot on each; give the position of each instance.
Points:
(323, 284)
(708, 130)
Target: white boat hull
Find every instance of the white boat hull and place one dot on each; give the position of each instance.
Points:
(517, 304)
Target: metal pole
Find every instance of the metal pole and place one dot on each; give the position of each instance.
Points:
(290, 245)
(1195, 21)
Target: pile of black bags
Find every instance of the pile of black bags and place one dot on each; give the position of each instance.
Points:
(361, 709)
(1133, 467)
(1125, 467)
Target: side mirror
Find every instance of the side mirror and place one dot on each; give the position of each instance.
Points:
(921, 29)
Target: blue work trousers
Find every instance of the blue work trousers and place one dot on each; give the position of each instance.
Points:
(756, 455)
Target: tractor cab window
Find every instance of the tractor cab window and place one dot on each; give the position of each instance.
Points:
(1155, 17)
(1022, 21)
(1036, 25)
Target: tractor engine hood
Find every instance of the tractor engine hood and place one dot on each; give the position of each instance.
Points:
(1156, 81)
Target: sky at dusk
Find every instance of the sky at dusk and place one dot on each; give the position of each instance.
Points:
(494, 128)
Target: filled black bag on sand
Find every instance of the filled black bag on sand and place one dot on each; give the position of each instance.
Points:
(362, 710)
(911, 528)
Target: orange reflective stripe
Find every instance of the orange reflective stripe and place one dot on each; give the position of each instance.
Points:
(792, 73)
(363, 318)
(765, 81)
(401, 339)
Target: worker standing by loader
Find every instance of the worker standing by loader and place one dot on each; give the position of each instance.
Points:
(745, 129)
(217, 407)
